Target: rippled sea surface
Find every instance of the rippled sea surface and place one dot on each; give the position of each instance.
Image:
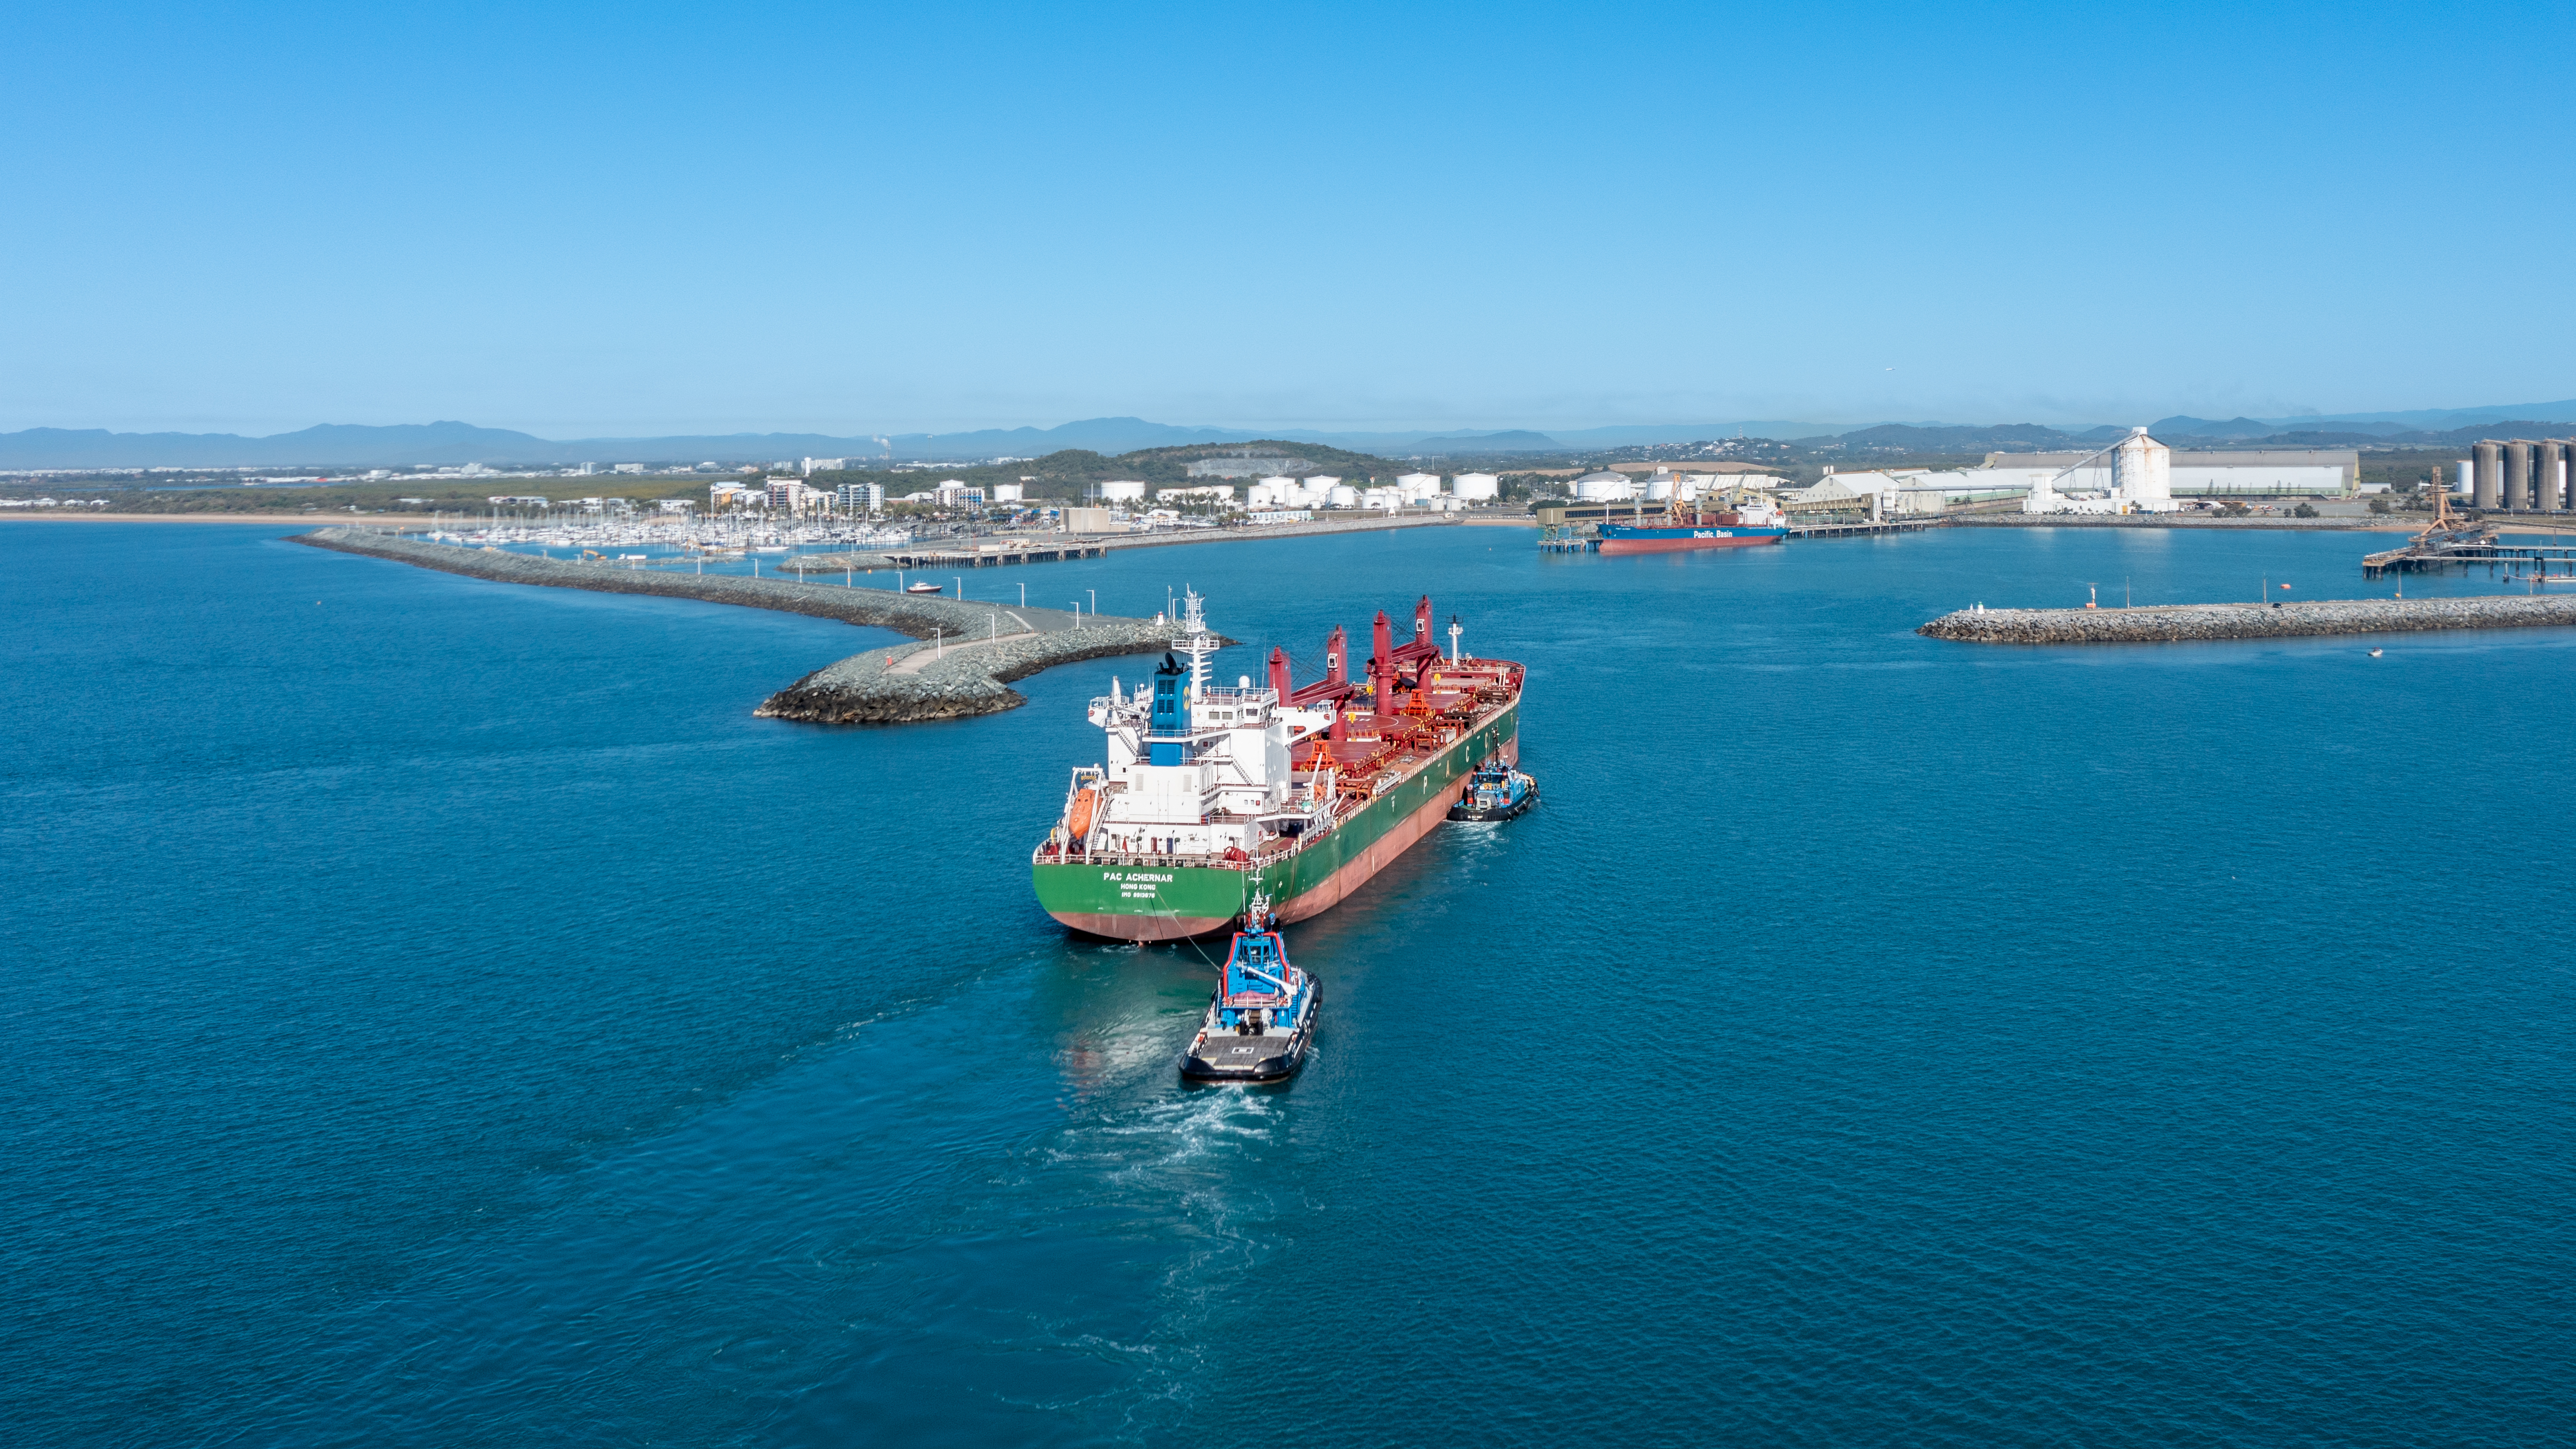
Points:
(438, 1013)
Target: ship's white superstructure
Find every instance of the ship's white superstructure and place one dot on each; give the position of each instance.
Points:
(1214, 778)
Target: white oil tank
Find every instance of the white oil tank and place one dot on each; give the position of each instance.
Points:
(1659, 490)
(1417, 485)
(1343, 496)
(1010, 492)
(1122, 491)
(1480, 487)
(1604, 487)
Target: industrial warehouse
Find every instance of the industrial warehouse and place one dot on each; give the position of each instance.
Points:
(2135, 475)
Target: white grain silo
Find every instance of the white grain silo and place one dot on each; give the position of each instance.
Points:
(2142, 473)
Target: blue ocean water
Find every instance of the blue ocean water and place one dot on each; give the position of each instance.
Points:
(440, 1014)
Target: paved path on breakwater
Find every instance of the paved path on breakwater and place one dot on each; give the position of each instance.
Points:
(2182, 622)
(880, 686)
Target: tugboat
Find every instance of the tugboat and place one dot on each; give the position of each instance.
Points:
(1495, 792)
(1262, 1018)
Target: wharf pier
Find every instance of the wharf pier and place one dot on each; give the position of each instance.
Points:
(2178, 623)
(967, 654)
(1860, 528)
(2465, 549)
(985, 558)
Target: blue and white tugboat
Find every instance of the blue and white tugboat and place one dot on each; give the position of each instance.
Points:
(1262, 1019)
(1496, 791)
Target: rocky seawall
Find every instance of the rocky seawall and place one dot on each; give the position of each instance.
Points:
(2185, 622)
(929, 681)
(968, 654)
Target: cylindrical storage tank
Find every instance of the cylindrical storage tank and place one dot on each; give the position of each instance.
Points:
(2142, 468)
(1659, 490)
(1482, 486)
(2517, 474)
(2549, 472)
(1342, 495)
(2490, 474)
(1280, 486)
(2467, 481)
(1122, 492)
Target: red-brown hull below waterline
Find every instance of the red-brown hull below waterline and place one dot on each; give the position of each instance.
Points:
(1312, 901)
(1677, 545)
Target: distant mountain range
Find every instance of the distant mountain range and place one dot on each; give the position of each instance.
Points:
(451, 443)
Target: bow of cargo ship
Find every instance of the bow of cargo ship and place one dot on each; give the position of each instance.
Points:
(1208, 796)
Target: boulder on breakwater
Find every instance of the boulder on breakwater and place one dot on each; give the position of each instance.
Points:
(961, 668)
(2171, 623)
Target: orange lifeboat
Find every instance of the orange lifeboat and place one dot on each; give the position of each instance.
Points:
(1077, 821)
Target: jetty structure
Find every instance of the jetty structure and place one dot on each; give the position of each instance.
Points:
(967, 654)
(2179, 623)
(2451, 542)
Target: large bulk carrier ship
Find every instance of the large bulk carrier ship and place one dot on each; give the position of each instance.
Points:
(1212, 796)
(1747, 522)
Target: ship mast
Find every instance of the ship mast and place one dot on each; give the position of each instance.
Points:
(1194, 640)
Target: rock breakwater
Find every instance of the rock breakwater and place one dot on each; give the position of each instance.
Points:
(2186, 622)
(967, 671)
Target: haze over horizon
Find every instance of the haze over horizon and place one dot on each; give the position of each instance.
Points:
(582, 222)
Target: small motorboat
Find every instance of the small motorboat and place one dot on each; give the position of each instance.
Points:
(1495, 791)
(923, 588)
(2374, 653)
(1262, 1018)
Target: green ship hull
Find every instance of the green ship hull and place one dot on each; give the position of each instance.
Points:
(1147, 898)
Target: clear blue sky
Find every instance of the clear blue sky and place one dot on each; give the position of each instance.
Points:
(651, 219)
